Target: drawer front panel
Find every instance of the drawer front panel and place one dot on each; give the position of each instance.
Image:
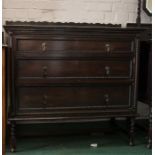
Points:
(84, 46)
(44, 98)
(73, 68)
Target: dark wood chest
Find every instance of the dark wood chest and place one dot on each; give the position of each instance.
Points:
(71, 72)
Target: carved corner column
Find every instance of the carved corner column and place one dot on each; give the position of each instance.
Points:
(3, 99)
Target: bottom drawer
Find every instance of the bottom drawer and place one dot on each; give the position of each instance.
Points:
(57, 98)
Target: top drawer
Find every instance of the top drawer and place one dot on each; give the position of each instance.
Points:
(39, 46)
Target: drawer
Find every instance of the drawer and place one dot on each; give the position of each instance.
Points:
(50, 98)
(44, 46)
(73, 68)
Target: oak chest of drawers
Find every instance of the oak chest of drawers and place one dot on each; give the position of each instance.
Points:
(71, 73)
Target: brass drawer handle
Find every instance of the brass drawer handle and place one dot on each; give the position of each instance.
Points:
(44, 46)
(45, 74)
(108, 47)
(107, 70)
(106, 98)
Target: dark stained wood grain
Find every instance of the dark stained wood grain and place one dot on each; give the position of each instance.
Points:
(33, 99)
(73, 68)
(72, 45)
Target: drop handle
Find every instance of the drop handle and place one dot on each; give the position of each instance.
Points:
(44, 46)
(44, 69)
(106, 98)
(44, 101)
(107, 47)
(107, 70)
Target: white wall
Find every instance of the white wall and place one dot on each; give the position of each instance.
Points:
(89, 11)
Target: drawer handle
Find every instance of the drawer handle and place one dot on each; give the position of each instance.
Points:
(44, 100)
(44, 46)
(106, 98)
(107, 70)
(107, 47)
(45, 71)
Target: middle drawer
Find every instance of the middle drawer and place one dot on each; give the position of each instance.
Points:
(73, 68)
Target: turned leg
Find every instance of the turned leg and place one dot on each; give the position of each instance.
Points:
(131, 132)
(149, 145)
(12, 137)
